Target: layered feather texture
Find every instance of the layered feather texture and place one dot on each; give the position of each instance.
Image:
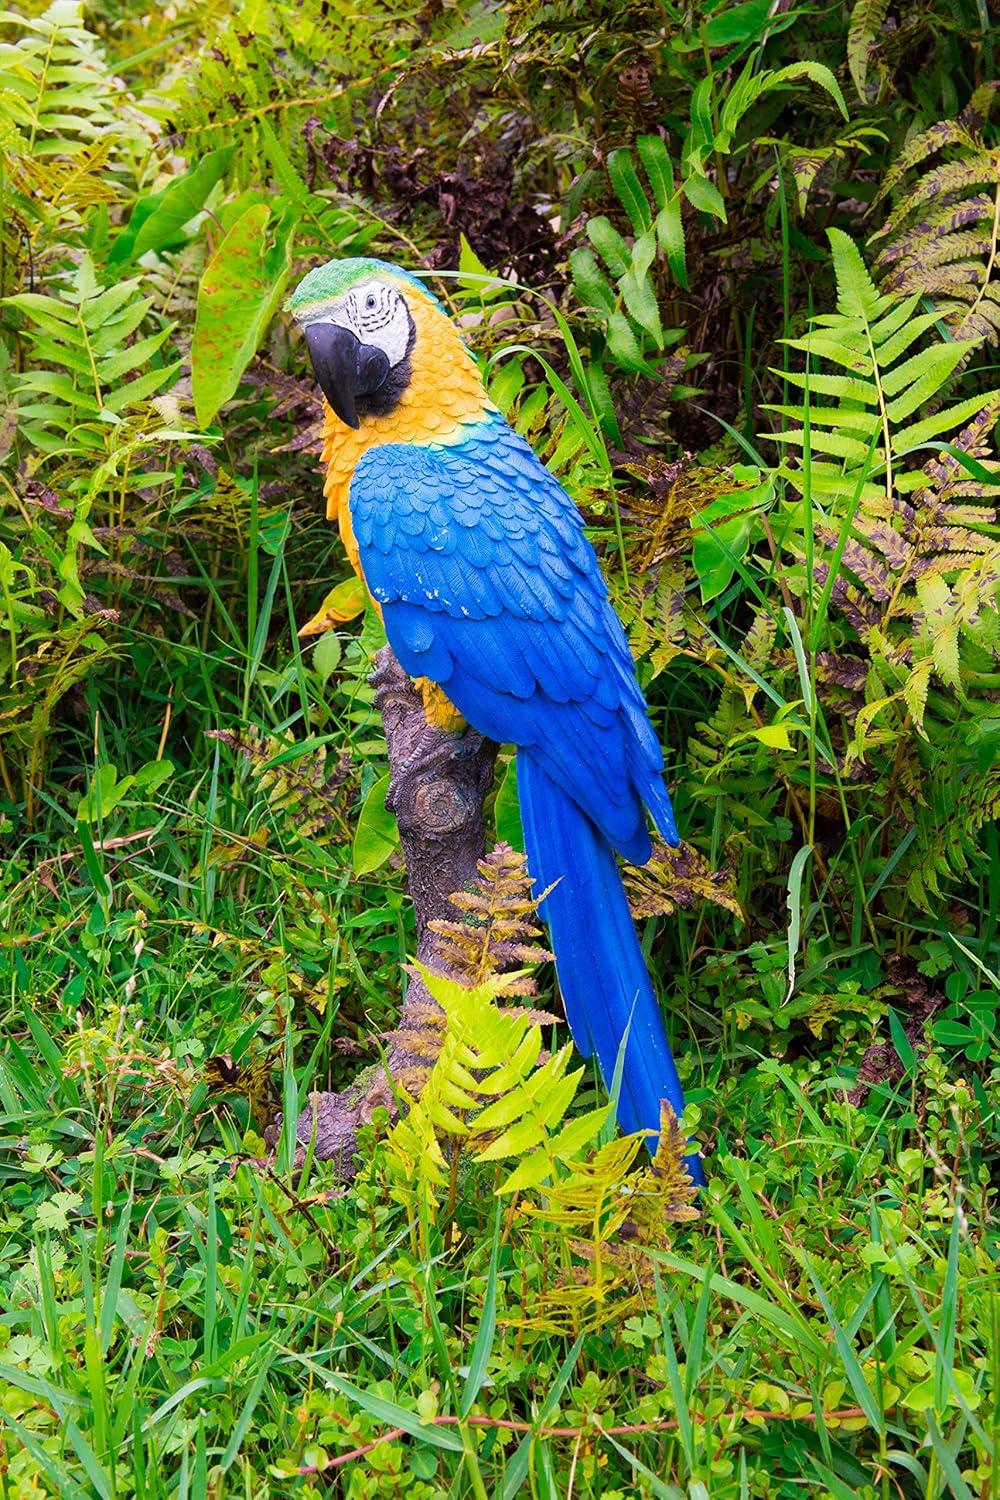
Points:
(488, 586)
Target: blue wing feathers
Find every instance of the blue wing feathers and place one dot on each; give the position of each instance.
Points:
(489, 587)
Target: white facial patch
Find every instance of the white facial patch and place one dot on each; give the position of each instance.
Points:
(376, 314)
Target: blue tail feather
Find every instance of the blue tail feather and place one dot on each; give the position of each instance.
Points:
(603, 977)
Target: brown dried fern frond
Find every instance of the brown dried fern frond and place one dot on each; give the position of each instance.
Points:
(937, 531)
(942, 235)
(303, 790)
(678, 877)
(665, 1193)
(252, 1078)
(499, 930)
(660, 513)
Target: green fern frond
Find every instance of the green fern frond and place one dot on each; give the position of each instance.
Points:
(960, 802)
(265, 66)
(66, 144)
(491, 1093)
(860, 418)
(85, 363)
(56, 86)
(611, 1213)
(907, 558)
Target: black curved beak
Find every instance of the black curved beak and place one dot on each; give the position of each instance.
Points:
(345, 368)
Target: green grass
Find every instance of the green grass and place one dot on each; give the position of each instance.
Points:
(172, 1326)
(180, 1319)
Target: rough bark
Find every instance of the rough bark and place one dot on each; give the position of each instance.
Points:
(439, 782)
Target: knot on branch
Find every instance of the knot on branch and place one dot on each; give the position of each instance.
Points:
(441, 806)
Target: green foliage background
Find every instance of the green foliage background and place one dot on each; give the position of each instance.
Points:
(732, 270)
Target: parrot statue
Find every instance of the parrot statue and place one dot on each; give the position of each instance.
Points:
(493, 601)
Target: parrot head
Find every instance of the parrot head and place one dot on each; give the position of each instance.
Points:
(359, 323)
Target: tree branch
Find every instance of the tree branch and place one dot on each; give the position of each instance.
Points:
(439, 782)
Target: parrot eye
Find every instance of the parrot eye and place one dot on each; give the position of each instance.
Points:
(370, 300)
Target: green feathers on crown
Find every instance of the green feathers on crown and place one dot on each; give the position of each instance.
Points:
(330, 281)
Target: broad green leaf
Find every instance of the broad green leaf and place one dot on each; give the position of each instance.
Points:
(610, 245)
(952, 1033)
(153, 774)
(507, 809)
(717, 552)
(658, 167)
(157, 220)
(590, 281)
(473, 268)
(326, 656)
(623, 344)
(641, 305)
(643, 255)
(506, 382)
(625, 181)
(106, 791)
(737, 23)
(602, 402)
(775, 736)
(239, 294)
(376, 835)
(104, 794)
(670, 233)
(703, 194)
